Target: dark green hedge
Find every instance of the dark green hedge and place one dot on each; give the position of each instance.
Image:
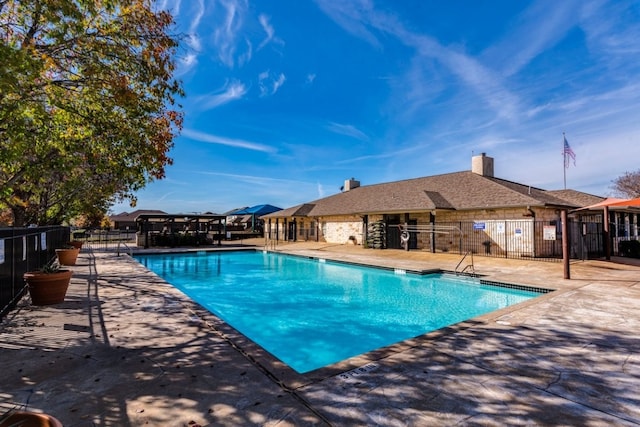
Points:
(629, 248)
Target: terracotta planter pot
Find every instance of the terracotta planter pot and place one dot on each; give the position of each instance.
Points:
(76, 244)
(67, 256)
(48, 288)
(29, 419)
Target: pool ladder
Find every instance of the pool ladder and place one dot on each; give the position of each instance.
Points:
(270, 244)
(469, 268)
(129, 250)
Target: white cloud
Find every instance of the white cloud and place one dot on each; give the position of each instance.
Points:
(278, 82)
(215, 139)
(231, 91)
(357, 17)
(536, 30)
(608, 34)
(188, 62)
(227, 32)
(265, 181)
(270, 31)
(270, 84)
(244, 58)
(348, 15)
(194, 40)
(192, 43)
(171, 6)
(348, 130)
(268, 28)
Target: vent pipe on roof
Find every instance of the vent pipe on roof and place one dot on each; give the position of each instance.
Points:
(350, 184)
(482, 165)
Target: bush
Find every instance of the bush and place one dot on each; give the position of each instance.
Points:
(629, 248)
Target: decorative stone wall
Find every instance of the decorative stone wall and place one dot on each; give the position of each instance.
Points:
(342, 230)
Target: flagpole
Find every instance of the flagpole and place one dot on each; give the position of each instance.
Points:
(564, 161)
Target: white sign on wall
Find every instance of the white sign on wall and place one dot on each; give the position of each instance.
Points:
(1, 251)
(549, 232)
(43, 241)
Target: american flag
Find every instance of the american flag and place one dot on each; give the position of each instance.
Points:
(568, 153)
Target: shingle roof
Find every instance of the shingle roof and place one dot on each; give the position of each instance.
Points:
(298, 210)
(577, 197)
(458, 190)
(131, 216)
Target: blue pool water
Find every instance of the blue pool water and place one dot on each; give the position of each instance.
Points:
(309, 313)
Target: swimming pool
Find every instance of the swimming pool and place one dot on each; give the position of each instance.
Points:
(311, 313)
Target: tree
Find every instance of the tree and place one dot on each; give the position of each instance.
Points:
(87, 104)
(96, 219)
(628, 185)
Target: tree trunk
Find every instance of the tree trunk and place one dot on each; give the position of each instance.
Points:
(19, 216)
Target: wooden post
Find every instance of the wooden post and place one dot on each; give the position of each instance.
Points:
(565, 244)
(605, 233)
(432, 238)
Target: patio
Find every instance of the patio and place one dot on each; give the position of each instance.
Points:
(125, 348)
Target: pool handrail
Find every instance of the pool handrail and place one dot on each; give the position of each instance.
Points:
(470, 267)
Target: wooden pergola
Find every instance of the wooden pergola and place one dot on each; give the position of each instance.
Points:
(171, 224)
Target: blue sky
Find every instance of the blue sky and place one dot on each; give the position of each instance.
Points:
(286, 99)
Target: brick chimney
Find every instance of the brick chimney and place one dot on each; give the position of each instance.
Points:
(350, 184)
(482, 165)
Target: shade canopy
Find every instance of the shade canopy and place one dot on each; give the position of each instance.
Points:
(629, 202)
(258, 210)
(612, 202)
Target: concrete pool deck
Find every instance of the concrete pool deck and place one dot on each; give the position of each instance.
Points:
(127, 349)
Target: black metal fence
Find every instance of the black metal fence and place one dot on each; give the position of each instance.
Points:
(106, 239)
(587, 240)
(22, 250)
(540, 240)
(514, 239)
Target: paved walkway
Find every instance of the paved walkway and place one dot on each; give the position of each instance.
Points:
(126, 349)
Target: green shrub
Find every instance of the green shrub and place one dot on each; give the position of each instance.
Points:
(629, 248)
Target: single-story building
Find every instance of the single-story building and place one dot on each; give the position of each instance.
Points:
(468, 211)
(127, 220)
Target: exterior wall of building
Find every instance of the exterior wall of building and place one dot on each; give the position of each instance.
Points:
(307, 230)
(277, 229)
(342, 229)
(495, 230)
(517, 231)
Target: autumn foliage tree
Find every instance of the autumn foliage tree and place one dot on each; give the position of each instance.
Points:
(88, 107)
(628, 184)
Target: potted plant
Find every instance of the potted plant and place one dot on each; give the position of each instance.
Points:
(76, 244)
(68, 255)
(48, 285)
(28, 419)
